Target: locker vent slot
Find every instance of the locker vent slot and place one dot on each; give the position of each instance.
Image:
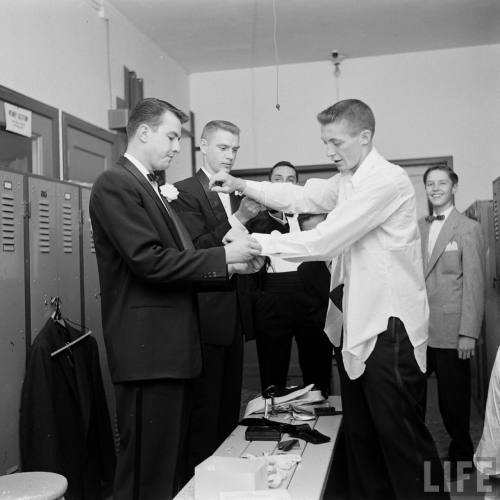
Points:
(67, 228)
(496, 220)
(92, 246)
(44, 225)
(8, 223)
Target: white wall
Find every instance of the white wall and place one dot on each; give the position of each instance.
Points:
(435, 103)
(55, 51)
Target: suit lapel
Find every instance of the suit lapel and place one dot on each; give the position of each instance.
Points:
(212, 197)
(444, 237)
(424, 234)
(156, 199)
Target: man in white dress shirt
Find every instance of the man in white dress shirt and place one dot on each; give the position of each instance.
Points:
(372, 237)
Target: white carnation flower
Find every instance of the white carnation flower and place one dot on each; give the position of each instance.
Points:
(169, 191)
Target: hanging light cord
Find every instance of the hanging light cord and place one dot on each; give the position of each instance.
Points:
(108, 57)
(276, 58)
(337, 80)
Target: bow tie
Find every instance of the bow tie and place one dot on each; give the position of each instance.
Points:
(156, 176)
(431, 218)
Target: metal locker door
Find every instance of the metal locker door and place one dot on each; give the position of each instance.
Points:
(67, 241)
(43, 250)
(481, 211)
(92, 299)
(12, 311)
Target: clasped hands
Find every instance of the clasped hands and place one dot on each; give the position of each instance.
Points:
(243, 253)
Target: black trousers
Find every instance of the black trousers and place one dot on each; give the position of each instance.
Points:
(281, 315)
(454, 393)
(152, 421)
(217, 399)
(390, 452)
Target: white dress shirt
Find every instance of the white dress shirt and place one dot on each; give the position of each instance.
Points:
(278, 265)
(435, 229)
(144, 171)
(375, 229)
(234, 222)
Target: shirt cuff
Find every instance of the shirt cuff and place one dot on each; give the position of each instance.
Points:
(236, 224)
(267, 243)
(252, 190)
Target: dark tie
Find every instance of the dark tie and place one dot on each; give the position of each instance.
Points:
(156, 176)
(432, 218)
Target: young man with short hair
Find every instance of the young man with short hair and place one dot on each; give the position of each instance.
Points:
(148, 274)
(371, 234)
(453, 252)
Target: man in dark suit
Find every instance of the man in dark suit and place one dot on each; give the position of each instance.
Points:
(148, 270)
(453, 255)
(224, 316)
(284, 309)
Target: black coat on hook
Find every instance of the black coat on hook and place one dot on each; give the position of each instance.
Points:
(65, 425)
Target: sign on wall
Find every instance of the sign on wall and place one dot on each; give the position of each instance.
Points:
(17, 120)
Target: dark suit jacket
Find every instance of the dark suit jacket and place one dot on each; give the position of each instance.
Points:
(147, 280)
(64, 420)
(206, 220)
(454, 278)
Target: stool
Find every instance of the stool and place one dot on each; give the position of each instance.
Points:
(33, 486)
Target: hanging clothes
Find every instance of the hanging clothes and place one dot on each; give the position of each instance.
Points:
(64, 421)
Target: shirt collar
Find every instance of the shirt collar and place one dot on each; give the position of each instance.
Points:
(137, 164)
(206, 172)
(365, 166)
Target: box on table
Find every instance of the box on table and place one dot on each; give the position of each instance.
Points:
(217, 474)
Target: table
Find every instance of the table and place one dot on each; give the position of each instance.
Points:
(308, 479)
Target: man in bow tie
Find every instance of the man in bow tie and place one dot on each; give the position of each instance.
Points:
(452, 247)
(149, 272)
(225, 317)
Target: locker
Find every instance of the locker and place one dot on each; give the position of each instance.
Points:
(483, 212)
(496, 224)
(12, 310)
(42, 250)
(54, 250)
(92, 299)
(68, 249)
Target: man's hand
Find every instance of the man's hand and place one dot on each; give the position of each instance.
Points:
(222, 182)
(242, 249)
(248, 209)
(466, 347)
(249, 267)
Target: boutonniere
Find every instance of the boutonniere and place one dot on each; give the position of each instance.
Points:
(169, 191)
